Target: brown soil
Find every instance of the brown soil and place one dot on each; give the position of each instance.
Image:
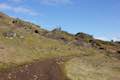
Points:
(43, 70)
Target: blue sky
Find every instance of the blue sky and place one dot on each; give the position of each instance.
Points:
(100, 18)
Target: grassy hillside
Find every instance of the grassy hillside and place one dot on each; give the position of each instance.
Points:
(22, 42)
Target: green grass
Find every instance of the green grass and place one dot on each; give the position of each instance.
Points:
(97, 67)
(32, 46)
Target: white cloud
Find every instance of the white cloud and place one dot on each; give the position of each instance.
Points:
(24, 10)
(116, 39)
(102, 38)
(4, 6)
(107, 39)
(54, 2)
(19, 9)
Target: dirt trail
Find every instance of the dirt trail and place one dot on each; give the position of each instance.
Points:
(43, 70)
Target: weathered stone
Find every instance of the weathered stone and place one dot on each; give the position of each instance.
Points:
(9, 34)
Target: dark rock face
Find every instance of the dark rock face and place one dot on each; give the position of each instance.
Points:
(36, 31)
(101, 48)
(118, 52)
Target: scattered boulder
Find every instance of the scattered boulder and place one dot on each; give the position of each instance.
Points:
(82, 43)
(9, 34)
(21, 37)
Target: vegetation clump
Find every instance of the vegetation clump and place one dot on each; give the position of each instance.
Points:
(83, 36)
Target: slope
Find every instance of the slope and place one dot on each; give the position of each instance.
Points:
(80, 56)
